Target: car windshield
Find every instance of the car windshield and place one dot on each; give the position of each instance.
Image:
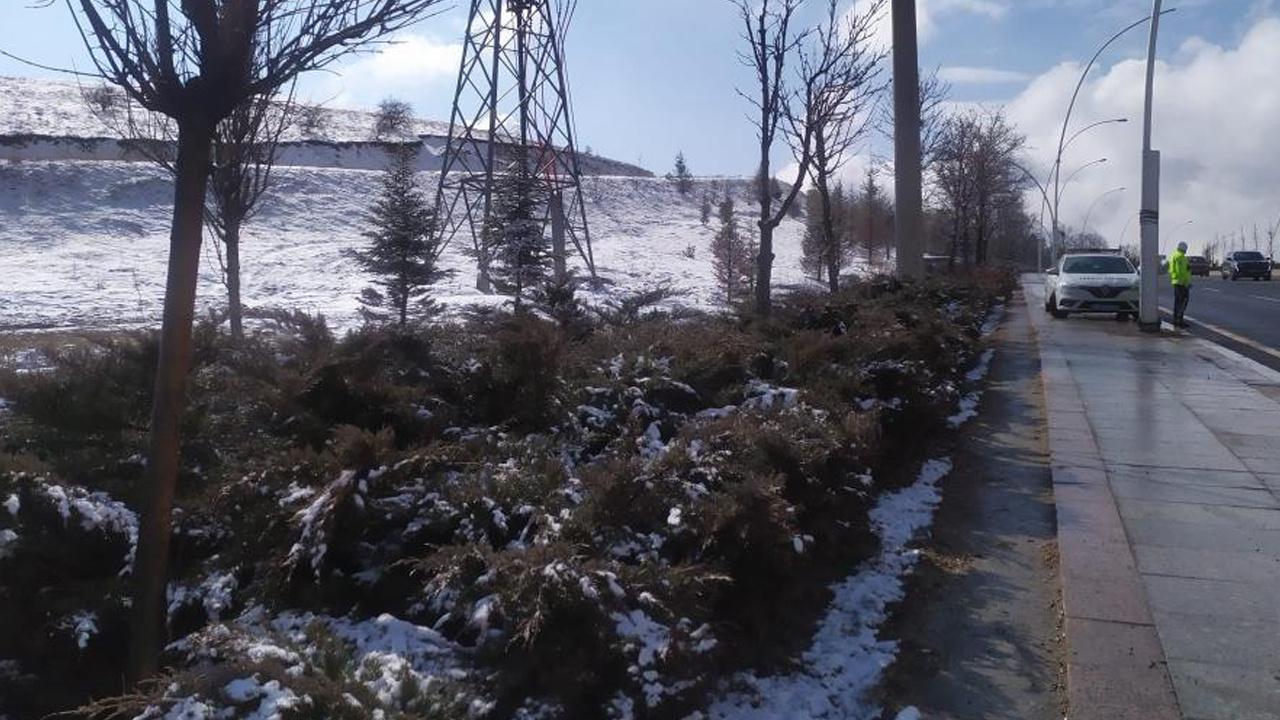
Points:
(1097, 265)
(1249, 255)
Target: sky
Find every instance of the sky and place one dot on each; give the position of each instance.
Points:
(654, 77)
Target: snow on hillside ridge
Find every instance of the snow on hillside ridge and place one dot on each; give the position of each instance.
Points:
(57, 108)
(46, 120)
(85, 244)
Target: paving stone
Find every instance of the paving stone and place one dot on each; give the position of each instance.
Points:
(1203, 537)
(1161, 491)
(1226, 692)
(1098, 642)
(1097, 691)
(1243, 602)
(1201, 514)
(1185, 476)
(1221, 641)
(1207, 564)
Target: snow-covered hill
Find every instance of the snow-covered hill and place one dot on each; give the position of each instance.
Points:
(84, 244)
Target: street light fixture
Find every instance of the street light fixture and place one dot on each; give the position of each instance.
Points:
(1087, 128)
(1089, 214)
(1176, 229)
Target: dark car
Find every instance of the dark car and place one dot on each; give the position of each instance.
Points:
(1199, 265)
(1246, 264)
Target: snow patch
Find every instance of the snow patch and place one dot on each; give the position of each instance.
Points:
(846, 658)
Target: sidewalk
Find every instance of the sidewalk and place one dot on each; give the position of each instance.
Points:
(1166, 465)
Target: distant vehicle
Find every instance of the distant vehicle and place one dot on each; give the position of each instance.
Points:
(1199, 265)
(1246, 264)
(1099, 282)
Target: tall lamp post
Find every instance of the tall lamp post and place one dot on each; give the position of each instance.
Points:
(1149, 217)
(909, 197)
(1066, 120)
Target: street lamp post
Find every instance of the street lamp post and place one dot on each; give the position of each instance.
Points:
(906, 140)
(1066, 120)
(1149, 217)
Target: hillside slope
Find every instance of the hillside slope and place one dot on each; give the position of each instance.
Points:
(84, 244)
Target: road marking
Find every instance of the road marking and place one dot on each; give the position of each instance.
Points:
(1209, 289)
(1268, 299)
(1247, 342)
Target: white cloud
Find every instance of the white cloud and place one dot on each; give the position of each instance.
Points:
(401, 69)
(1215, 114)
(959, 75)
(927, 14)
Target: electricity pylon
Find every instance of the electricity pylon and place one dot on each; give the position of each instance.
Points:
(511, 108)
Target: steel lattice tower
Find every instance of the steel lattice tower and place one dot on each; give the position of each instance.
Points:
(512, 88)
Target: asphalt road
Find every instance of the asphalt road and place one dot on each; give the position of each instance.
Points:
(1244, 314)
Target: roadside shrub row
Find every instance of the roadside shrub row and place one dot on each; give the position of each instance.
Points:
(506, 517)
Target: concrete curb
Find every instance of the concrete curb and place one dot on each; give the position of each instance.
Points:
(1116, 666)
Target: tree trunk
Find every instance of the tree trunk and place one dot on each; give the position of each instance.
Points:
(235, 310)
(169, 400)
(764, 270)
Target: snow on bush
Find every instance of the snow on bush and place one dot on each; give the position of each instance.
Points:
(95, 513)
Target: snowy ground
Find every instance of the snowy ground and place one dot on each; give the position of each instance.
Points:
(84, 244)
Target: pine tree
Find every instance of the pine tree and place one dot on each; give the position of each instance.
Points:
(730, 260)
(813, 258)
(516, 244)
(402, 249)
(871, 214)
(705, 210)
(684, 180)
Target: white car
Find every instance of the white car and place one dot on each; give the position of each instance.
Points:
(1092, 283)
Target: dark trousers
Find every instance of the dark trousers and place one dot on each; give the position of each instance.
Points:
(1181, 296)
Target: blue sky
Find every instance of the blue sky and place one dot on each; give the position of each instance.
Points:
(655, 76)
(651, 77)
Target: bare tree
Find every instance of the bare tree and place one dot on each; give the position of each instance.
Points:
(196, 62)
(772, 41)
(934, 116)
(245, 147)
(976, 168)
(934, 93)
(393, 118)
(839, 109)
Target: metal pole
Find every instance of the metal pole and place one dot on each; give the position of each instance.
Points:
(906, 141)
(1149, 217)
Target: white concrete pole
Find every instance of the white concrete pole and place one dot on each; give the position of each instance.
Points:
(908, 200)
(1149, 217)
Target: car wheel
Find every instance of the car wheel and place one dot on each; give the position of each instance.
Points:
(1234, 277)
(1053, 308)
(1122, 317)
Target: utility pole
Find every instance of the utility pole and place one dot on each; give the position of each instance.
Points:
(909, 197)
(1149, 217)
